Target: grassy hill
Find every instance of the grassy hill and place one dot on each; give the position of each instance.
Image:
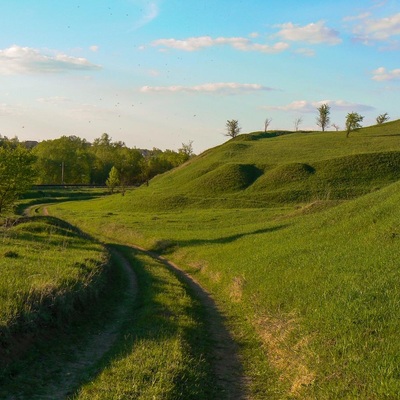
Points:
(296, 235)
(260, 169)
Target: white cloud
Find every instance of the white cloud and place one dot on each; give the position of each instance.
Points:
(371, 30)
(304, 106)
(25, 60)
(222, 87)
(314, 33)
(94, 48)
(381, 74)
(200, 42)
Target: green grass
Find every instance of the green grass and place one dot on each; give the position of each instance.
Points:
(55, 280)
(329, 294)
(302, 257)
(48, 273)
(258, 170)
(163, 351)
(162, 348)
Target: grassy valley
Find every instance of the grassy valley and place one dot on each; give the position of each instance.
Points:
(296, 238)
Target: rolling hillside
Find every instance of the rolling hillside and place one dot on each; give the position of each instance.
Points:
(296, 236)
(260, 169)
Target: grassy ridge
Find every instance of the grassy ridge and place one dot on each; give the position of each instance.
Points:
(48, 273)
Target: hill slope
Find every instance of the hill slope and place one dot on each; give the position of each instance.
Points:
(261, 169)
(311, 292)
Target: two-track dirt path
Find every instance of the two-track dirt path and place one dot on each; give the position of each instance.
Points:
(226, 363)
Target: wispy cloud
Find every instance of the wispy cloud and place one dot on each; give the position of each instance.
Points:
(5, 109)
(382, 74)
(357, 17)
(314, 33)
(370, 30)
(26, 60)
(217, 88)
(200, 42)
(55, 100)
(306, 52)
(151, 10)
(304, 106)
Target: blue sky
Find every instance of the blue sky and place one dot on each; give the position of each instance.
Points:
(165, 72)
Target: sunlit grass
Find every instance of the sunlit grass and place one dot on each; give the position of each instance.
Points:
(309, 278)
(163, 352)
(47, 273)
(329, 295)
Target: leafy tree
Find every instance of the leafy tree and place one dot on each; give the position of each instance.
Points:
(16, 172)
(129, 165)
(323, 118)
(380, 119)
(113, 179)
(5, 141)
(353, 120)
(187, 150)
(63, 160)
(232, 128)
(105, 153)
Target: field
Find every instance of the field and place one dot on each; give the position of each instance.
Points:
(296, 238)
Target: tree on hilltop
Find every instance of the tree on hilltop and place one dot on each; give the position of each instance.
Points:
(187, 150)
(297, 122)
(323, 118)
(380, 119)
(353, 120)
(232, 128)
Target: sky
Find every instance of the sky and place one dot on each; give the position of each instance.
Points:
(165, 72)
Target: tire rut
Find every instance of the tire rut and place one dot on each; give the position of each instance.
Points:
(65, 378)
(227, 366)
(226, 363)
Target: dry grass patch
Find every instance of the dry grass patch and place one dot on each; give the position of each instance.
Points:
(236, 288)
(288, 353)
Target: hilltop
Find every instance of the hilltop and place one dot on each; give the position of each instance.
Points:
(261, 169)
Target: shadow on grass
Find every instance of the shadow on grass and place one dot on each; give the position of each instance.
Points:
(210, 368)
(167, 246)
(206, 366)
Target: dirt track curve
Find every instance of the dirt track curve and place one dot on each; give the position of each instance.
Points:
(226, 364)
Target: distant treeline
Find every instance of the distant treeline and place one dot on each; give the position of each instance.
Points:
(72, 160)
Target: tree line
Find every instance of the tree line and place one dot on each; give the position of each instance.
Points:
(72, 160)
